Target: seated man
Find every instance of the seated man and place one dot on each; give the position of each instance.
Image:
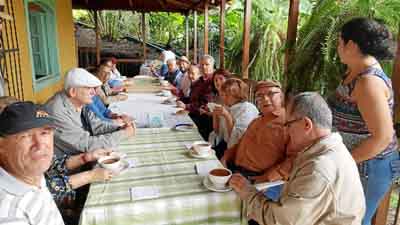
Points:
(174, 75)
(262, 154)
(324, 185)
(26, 151)
(78, 129)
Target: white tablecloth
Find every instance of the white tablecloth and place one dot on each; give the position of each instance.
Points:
(146, 107)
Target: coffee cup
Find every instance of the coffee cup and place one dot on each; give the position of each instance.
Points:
(201, 147)
(112, 163)
(211, 106)
(219, 177)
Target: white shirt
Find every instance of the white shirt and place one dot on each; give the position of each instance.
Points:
(23, 204)
(242, 113)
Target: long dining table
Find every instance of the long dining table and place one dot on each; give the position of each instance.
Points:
(161, 184)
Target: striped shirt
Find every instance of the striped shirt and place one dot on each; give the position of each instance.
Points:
(23, 204)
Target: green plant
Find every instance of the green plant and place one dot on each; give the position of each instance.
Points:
(316, 65)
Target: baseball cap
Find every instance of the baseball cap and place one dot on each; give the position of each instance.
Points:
(22, 116)
(4, 15)
(79, 77)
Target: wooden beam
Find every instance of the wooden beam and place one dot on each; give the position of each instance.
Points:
(206, 27)
(291, 34)
(222, 35)
(96, 22)
(144, 39)
(187, 35)
(195, 38)
(246, 39)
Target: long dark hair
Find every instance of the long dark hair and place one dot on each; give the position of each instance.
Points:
(372, 37)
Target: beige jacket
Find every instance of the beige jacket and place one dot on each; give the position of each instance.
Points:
(323, 188)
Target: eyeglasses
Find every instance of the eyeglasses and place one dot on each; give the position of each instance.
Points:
(269, 95)
(290, 122)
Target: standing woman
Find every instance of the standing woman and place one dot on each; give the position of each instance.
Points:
(363, 106)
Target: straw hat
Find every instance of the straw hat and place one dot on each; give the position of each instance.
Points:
(4, 15)
(185, 59)
(267, 83)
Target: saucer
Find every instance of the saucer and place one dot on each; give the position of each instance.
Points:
(183, 127)
(207, 183)
(195, 155)
(123, 168)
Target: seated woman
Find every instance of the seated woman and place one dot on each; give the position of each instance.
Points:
(231, 120)
(106, 94)
(62, 184)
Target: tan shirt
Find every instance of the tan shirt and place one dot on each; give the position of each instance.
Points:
(263, 147)
(323, 188)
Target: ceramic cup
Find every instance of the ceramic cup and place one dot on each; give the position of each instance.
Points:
(211, 106)
(112, 163)
(219, 177)
(201, 148)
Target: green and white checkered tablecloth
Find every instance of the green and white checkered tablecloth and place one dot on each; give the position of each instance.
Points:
(162, 161)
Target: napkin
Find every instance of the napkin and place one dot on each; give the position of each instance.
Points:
(144, 192)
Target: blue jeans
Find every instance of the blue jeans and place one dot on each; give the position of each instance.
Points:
(376, 177)
(274, 193)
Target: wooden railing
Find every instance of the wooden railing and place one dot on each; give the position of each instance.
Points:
(127, 67)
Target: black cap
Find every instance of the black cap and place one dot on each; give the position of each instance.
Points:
(22, 116)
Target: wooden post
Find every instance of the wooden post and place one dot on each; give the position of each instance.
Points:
(187, 35)
(291, 34)
(222, 34)
(382, 211)
(396, 79)
(246, 39)
(206, 27)
(195, 38)
(144, 36)
(96, 22)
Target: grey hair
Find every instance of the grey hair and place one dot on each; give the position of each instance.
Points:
(171, 61)
(313, 106)
(208, 57)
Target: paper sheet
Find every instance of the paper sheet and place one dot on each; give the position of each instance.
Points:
(144, 192)
(265, 185)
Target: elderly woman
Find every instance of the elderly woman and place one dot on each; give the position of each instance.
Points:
(362, 106)
(231, 120)
(190, 77)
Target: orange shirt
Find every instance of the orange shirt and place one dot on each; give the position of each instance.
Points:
(263, 147)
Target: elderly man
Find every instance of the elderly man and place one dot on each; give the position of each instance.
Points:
(79, 129)
(324, 186)
(174, 75)
(262, 153)
(201, 94)
(26, 151)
